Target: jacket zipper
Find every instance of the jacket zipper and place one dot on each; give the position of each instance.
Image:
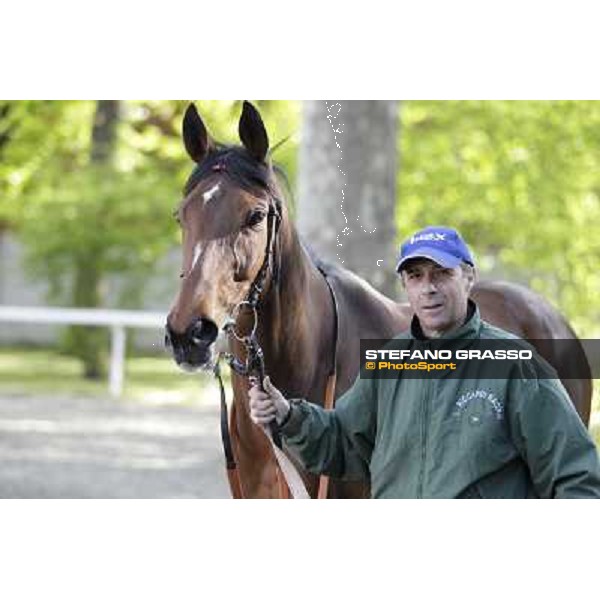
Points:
(424, 435)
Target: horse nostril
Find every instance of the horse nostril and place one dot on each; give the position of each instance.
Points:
(203, 332)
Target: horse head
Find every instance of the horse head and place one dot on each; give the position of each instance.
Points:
(229, 217)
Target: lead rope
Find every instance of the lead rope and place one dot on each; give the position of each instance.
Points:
(290, 474)
(233, 475)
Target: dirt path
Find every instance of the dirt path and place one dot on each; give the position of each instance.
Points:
(57, 447)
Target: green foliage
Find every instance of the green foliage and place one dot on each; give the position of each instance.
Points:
(107, 219)
(110, 221)
(521, 180)
(39, 141)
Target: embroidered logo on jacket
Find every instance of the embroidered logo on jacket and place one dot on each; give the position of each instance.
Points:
(481, 396)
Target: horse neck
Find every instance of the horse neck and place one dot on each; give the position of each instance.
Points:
(294, 332)
(296, 316)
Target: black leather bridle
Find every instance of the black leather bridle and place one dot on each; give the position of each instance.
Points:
(254, 365)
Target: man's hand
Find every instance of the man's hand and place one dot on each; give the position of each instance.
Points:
(268, 405)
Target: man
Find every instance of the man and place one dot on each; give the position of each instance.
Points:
(465, 436)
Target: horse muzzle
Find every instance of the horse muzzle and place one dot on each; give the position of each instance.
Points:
(192, 348)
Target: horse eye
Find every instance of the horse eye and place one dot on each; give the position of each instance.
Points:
(255, 218)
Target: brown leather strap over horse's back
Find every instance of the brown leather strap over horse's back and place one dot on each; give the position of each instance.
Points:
(332, 379)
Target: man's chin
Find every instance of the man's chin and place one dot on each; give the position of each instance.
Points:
(433, 327)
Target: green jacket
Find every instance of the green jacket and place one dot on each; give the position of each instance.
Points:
(451, 437)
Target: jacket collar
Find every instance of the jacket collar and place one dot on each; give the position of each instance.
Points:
(468, 330)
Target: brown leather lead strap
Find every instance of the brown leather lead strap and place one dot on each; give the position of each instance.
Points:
(329, 402)
(233, 475)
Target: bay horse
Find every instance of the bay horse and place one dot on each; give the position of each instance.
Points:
(226, 213)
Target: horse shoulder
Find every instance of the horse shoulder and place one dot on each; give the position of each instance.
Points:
(363, 313)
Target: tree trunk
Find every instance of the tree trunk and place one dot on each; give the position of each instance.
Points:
(104, 132)
(89, 343)
(347, 186)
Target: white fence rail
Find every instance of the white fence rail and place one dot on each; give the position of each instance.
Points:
(116, 320)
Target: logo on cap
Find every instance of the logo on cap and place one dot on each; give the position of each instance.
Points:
(442, 245)
(427, 236)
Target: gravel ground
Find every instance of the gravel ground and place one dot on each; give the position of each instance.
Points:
(68, 447)
(60, 447)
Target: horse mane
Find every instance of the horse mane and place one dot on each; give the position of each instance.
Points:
(282, 177)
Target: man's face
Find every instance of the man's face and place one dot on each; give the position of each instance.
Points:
(438, 296)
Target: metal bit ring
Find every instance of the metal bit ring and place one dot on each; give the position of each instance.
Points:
(234, 315)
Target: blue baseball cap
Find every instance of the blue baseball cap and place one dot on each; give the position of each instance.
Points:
(442, 245)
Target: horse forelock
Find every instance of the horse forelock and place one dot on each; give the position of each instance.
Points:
(237, 164)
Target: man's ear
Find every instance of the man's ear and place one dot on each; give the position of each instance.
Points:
(471, 276)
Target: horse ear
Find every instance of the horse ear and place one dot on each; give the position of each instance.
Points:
(253, 133)
(195, 136)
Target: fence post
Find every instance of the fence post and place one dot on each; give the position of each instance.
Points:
(117, 360)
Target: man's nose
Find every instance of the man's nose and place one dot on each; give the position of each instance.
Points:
(429, 285)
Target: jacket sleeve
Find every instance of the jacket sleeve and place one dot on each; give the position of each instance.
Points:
(336, 442)
(557, 448)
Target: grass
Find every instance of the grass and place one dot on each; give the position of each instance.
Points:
(147, 378)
